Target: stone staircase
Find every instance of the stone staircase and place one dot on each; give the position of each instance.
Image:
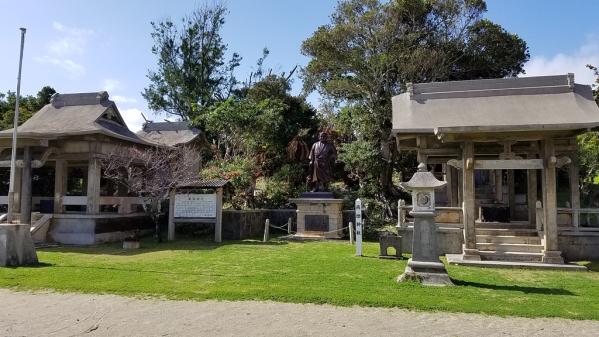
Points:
(508, 242)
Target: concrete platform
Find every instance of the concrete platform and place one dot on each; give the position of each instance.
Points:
(456, 259)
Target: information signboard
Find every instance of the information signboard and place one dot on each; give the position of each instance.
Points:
(195, 206)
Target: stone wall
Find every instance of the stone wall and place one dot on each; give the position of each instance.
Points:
(78, 229)
(577, 246)
(449, 240)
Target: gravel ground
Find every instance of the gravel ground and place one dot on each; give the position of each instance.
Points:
(52, 314)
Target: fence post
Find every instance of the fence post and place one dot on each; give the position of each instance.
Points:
(289, 226)
(576, 218)
(266, 231)
(351, 233)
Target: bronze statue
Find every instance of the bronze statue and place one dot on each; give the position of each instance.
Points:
(322, 163)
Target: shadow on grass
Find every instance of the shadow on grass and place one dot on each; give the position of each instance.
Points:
(526, 290)
(31, 266)
(148, 245)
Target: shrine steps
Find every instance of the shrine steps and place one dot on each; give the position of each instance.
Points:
(508, 242)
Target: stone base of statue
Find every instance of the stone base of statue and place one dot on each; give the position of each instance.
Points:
(319, 215)
(427, 273)
(16, 246)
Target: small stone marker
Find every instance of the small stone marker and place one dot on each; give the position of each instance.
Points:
(358, 227)
(266, 231)
(351, 233)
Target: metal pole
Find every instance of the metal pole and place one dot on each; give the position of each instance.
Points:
(13, 156)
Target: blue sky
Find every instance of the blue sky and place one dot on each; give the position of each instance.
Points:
(79, 46)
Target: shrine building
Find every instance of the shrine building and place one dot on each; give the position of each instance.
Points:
(507, 149)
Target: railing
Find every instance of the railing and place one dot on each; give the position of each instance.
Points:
(125, 205)
(580, 219)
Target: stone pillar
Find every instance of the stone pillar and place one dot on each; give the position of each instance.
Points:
(511, 194)
(469, 206)
(449, 178)
(93, 186)
(26, 187)
(499, 186)
(574, 189)
(531, 195)
(551, 253)
(60, 184)
(218, 225)
(171, 216)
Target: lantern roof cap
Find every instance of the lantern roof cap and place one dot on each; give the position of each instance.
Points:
(422, 179)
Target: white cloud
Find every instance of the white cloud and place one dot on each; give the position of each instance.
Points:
(123, 99)
(111, 84)
(73, 68)
(72, 41)
(133, 119)
(563, 63)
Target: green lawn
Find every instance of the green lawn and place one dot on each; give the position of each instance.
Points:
(314, 272)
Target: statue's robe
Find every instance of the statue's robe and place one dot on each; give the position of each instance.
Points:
(323, 156)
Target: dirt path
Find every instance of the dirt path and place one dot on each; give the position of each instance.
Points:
(50, 314)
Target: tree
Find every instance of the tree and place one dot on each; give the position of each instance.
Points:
(28, 105)
(192, 73)
(151, 173)
(595, 71)
(372, 49)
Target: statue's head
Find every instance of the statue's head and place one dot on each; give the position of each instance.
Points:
(323, 137)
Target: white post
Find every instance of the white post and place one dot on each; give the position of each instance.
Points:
(266, 231)
(13, 155)
(289, 226)
(358, 227)
(171, 216)
(218, 224)
(351, 233)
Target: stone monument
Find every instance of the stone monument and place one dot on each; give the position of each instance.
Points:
(16, 246)
(424, 266)
(319, 214)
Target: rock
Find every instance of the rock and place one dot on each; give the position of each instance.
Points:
(16, 246)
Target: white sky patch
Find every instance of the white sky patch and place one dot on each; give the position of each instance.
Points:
(111, 84)
(123, 99)
(133, 119)
(73, 68)
(563, 63)
(72, 41)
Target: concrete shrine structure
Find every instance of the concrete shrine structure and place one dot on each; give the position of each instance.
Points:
(58, 177)
(505, 147)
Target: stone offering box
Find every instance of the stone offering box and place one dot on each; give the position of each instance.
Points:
(319, 215)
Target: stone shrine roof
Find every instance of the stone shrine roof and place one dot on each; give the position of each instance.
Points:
(542, 103)
(76, 114)
(169, 133)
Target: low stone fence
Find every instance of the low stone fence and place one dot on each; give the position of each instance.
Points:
(244, 224)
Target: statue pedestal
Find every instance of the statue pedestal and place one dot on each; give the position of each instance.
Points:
(319, 215)
(16, 246)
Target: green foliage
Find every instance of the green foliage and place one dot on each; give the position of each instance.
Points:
(595, 71)
(241, 173)
(588, 154)
(286, 183)
(192, 73)
(301, 272)
(28, 105)
(371, 49)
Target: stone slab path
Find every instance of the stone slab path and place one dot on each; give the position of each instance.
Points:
(51, 314)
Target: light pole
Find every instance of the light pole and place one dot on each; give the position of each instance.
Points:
(13, 156)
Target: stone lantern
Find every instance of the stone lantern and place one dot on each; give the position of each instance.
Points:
(424, 266)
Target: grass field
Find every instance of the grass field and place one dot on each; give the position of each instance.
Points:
(303, 272)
